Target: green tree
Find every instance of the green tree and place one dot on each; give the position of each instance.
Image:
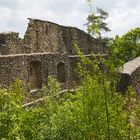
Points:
(96, 22)
(125, 48)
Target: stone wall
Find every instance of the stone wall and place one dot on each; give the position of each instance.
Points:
(10, 43)
(135, 78)
(75, 78)
(43, 36)
(45, 44)
(131, 75)
(14, 67)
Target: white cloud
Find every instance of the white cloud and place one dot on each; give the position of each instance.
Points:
(121, 20)
(123, 14)
(14, 13)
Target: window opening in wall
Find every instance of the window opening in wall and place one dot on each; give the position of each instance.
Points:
(35, 78)
(61, 72)
(71, 51)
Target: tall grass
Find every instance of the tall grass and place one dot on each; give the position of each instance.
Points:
(95, 111)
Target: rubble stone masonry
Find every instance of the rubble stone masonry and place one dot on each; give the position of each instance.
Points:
(131, 75)
(45, 50)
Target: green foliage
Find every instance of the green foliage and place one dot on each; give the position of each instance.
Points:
(125, 48)
(96, 22)
(10, 111)
(95, 111)
(52, 88)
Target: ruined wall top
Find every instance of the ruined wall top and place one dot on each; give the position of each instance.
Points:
(131, 75)
(131, 66)
(44, 36)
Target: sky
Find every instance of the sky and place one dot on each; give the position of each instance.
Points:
(123, 14)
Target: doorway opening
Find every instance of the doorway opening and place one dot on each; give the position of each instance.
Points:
(35, 78)
(61, 72)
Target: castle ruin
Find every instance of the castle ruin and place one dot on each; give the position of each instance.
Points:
(46, 49)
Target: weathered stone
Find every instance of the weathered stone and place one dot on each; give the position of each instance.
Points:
(44, 49)
(131, 70)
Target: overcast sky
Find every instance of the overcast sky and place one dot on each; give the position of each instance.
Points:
(123, 14)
